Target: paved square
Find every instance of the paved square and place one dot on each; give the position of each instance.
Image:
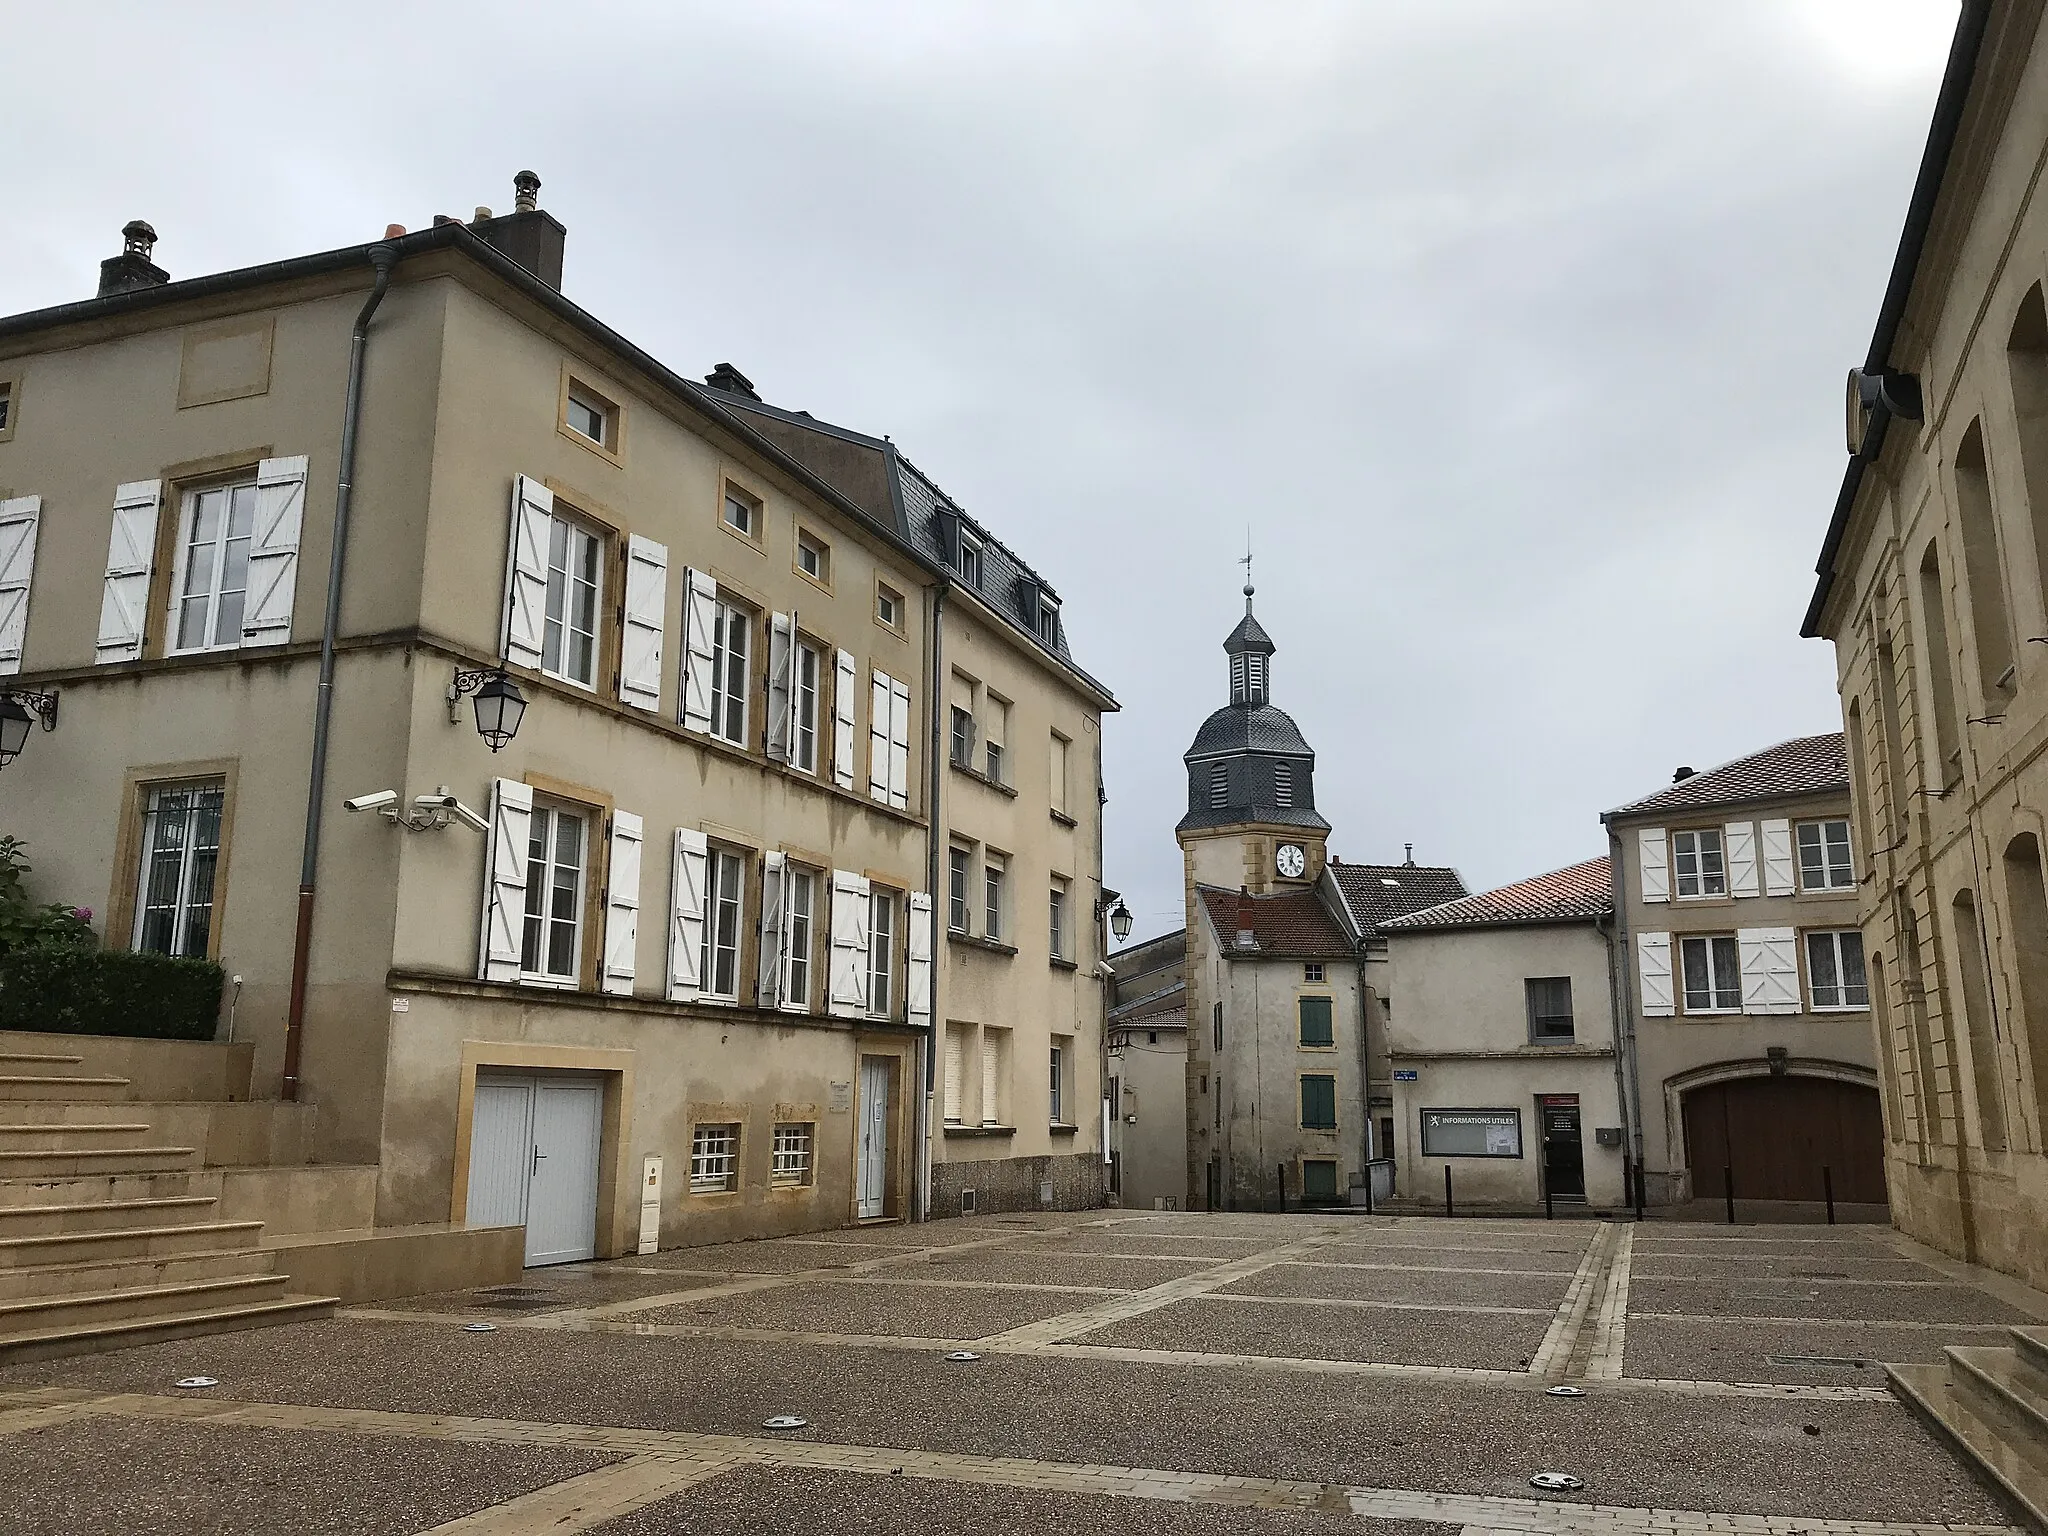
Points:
(1168, 1373)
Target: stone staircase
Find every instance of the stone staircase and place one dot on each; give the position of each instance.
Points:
(113, 1229)
(1991, 1405)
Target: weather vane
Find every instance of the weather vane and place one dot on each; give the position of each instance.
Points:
(1246, 562)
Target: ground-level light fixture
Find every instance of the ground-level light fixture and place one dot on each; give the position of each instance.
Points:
(18, 715)
(499, 703)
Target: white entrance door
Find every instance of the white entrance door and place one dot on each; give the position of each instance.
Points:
(872, 1175)
(533, 1149)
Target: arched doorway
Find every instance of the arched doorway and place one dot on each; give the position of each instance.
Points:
(1777, 1133)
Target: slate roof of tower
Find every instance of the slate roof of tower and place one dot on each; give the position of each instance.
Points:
(1806, 765)
(1579, 893)
(1249, 728)
(1286, 925)
(1250, 635)
(1378, 893)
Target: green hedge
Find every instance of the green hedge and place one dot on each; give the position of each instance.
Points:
(109, 992)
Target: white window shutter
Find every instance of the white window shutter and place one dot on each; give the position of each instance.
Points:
(781, 662)
(1653, 969)
(899, 745)
(1778, 862)
(700, 614)
(1741, 843)
(1780, 953)
(18, 521)
(687, 877)
(847, 970)
(622, 904)
(845, 717)
(274, 551)
(991, 1078)
(879, 709)
(956, 1072)
(774, 948)
(526, 572)
(1653, 859)
(505, 880)
(131, 555)
(918, 976)
(646, 614)
(1749, 947)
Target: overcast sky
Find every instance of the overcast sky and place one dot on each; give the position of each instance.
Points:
(1515, 333)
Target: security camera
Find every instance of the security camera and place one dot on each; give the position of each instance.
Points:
(382, 800)
(433, 803)
(467, 817)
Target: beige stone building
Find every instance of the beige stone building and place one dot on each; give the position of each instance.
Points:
(1933, 586)
(1746, 1016)
(1148, 1052)
(1501, 1045)
(686, 912)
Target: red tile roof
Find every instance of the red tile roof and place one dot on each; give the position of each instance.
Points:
(1292, 924)
(1376, 893)
(1578, 894)
(1809, 765)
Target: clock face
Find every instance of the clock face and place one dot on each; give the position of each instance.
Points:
(1291, 861)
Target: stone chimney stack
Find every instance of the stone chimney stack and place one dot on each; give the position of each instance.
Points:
(530, 237)
(132, 268)
(1247, 932)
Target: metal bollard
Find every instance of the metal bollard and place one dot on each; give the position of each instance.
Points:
(1449, 1209)
(1368, 1188)
(1281, 1169)
(1728, 1187)
(1827, 1189)
(1640, 1202)
(1548, 1213)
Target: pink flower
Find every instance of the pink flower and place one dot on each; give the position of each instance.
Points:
(83, 914)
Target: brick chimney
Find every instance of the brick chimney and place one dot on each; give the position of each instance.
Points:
(530, 237)
(132, 268)
(731, 380)
(1247, 934)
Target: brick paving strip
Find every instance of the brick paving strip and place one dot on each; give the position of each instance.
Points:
(688, 1457)
(1603, 1362)
(1553, 1356)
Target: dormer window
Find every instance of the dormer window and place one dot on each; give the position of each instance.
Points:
(969, 563)
(1049, 622)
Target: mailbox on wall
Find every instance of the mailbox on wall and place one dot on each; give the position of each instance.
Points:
(1607, 1135)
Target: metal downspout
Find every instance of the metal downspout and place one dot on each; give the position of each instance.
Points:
(1627, 1069)
(934, 776)
(383, 258)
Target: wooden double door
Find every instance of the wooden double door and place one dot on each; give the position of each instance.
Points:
(1777, 1133)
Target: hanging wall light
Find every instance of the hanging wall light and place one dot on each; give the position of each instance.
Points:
(18, 714)
(499, 703)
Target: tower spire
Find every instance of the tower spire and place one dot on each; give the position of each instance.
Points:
(1246, 562)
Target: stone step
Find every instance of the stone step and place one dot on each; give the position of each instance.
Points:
(51, 1136)
(84, 1161)
(110, 1188)
(1991, 1384)
(125, 1273)
(69, 1218)
(124, 1243)
(66, 1089)
(10, 1060)
(2030, 1357)
(42, 1314)
(55, 1343)
(1983, 1444)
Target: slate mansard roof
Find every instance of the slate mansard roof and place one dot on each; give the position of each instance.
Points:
(1580, 893)
(1807, 765)
(1379, 893)
(1290, 925)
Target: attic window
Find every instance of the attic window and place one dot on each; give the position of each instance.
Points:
(969, 564)
(1392, 885)
(1049, 622)
(590, 416)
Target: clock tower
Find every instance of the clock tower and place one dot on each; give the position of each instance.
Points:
(1251, 821)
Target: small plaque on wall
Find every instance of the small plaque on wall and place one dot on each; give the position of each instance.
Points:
(840, 1098)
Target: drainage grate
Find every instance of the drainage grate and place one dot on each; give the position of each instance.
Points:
(1824, 1362)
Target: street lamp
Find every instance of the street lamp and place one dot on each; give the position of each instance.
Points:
(18, 714)
(499, 703)
(1120, 922)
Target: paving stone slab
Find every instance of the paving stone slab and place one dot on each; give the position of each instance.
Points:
(1668, 1265)
(760, 1501)
(1432, 1288)
(1206, 1250)
(1735, 1351)
(1057, 1268)
(540, 1291)
(909, 1311)
(770, 1256)
(1542, 1261)
(1764, 1297)
(1871, 1459)
(115, 1477)
(1308, 1332)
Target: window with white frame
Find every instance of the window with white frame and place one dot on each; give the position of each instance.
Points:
(957, 861)
(1056, 1098)
(1312, 970)
(575, 581)
(804, 706)
(1697, 868)
(800, 889)
(180, 862)
(1049, 623)
(994, 903)
(1711, 968)
(969, 564)
(742, 512)
(590, 415)
(213, 566)
(556, 846)
(1057, 773)
(813, 557)
(1834, 970)
(731, 638)
(791, 1167)
(1059, 920)
(714, 1159)
(725, 892)
(962, 737)
(996, 734)
(889, 606)
(881, 951)
(1825, 863)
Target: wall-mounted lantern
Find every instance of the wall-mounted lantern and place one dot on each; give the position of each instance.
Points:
(18, 715)
(499, 703)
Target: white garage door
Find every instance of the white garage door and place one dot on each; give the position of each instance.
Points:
(533, 1149)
